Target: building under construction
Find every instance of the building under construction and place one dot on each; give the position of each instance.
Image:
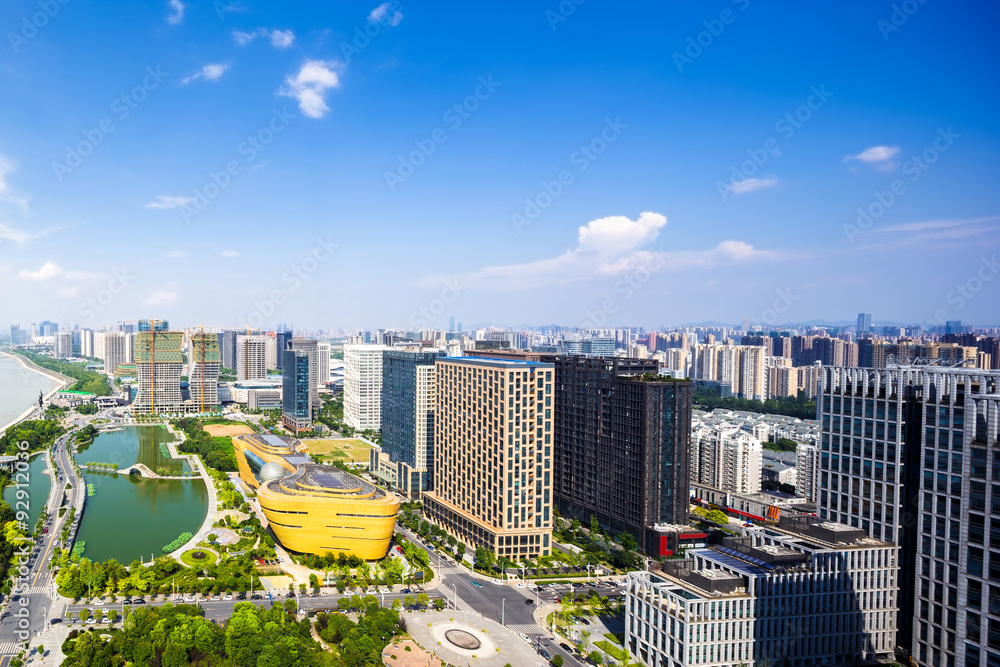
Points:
(159, 362)
(204, 359)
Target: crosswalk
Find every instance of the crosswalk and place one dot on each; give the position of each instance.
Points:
(529, 630)
(10, 648)
(32, 590)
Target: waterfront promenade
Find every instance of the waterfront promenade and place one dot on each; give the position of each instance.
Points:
(62, 383)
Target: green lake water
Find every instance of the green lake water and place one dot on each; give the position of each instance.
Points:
(134, 444)
(37, 488)
(129, 517)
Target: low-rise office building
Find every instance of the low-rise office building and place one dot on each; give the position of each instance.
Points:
(805, 593)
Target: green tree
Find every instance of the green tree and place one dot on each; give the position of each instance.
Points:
(718, 516)
(595, 526)
(557, 660)
(438, 604)
(423, 599)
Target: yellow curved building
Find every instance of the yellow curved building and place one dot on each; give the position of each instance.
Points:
(315, 508)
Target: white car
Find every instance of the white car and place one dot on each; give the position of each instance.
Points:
(228, 597)
(99, 603)
(216, 598)
(91, 621)
(520, 586)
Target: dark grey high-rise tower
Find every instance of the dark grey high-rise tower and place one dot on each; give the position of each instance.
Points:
(621, 451)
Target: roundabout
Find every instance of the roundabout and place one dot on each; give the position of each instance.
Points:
(466, 638)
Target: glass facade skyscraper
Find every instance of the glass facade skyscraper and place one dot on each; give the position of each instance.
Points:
(296, 392)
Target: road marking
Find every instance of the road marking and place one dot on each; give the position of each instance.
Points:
(10, 648)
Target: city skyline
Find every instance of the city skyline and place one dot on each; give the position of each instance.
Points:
(342, 166)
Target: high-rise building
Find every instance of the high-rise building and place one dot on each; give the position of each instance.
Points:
(63, 344)
(283, 336)
(726, 457)
(311, 348)
(864, 323)
(47, 328)
(621, 445)
(909, 453)
(493, 455)
(203, 371)
(807, 470)
(87, 343)
(227, 346)
(19, 336)
(296, 391)
(114, 348)
(322, 363)
(271, 352)
(800, 594)
(363, 386)
(159, 363)
(407, 417)
(251, 357)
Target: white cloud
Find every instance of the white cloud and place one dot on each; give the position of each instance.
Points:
(7, 193)
(166, 201)
(46, 271)
(176, 14)
(880, 156)
(309, 86)
(382, 13)
(18, 236)
(210, 72)
(162, 297)
(752, 185)
(175, 254)
(612, 246)
(280, 39)
(67, 293)
(230, 253)
(244, 38)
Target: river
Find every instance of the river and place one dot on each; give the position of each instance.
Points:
(129, 517)
(19, 387)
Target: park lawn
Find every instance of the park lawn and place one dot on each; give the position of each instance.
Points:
(349, 450)
(615, 652)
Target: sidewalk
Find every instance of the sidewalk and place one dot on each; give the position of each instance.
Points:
(213, 497)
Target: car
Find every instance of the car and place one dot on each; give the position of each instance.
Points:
(525, 637)
(178, 599)
(289, 594)
(566, 647)
(55, 620)
(227, 597)
(215, 598)
(99, 603)
(138, 601)
(241, 596)
(126, 601)
(405, 590)
(91, 621)
(545, 654)
(529, 601)
(190, 598)
(256, 597)
(584, 621)
(477, 584)
(519, 586)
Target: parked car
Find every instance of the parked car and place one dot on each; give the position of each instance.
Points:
(529, 601)
(91, 621)
(256, 597)
(545, 654)
(126, 601)
(138, 601)
(227, 597)
(566, 647)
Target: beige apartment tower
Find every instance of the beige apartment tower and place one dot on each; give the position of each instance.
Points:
(493, 455)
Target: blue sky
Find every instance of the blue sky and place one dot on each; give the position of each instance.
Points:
(509, 163)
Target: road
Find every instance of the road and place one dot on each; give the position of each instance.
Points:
(504, 603)
(24, 613)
